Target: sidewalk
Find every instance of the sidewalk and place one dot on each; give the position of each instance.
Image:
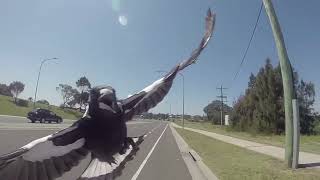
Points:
(277, 152)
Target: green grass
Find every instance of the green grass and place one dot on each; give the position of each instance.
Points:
(7, 107)
(307, 143)
(230, 162)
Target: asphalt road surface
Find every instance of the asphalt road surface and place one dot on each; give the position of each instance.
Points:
(158, 158)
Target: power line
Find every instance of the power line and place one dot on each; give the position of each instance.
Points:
(246, 51)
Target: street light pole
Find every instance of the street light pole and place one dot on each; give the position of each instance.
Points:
(35, 94)
(182, 95)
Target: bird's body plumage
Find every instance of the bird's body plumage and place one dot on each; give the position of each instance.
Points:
(102, 132)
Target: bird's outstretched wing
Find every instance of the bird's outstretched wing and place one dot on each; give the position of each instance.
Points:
(153, 94)
(45, 158)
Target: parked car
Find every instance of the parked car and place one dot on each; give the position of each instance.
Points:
(43, 115)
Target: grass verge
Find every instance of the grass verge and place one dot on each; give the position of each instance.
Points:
(230, 162)
(307, 143)
(7, 107)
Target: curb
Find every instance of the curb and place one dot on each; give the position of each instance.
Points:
(12, 116)
(198, 170)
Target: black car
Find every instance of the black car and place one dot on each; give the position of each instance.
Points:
(43, 115)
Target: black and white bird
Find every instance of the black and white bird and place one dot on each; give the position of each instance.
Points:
(102, 132)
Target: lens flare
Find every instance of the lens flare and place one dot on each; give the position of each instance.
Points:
(123, 20)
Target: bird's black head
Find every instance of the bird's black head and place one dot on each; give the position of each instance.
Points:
(103, 103)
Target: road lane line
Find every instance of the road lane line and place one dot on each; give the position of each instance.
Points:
(135, 176)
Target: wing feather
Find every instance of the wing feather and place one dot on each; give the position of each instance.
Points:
(150, 96)
(45, 158)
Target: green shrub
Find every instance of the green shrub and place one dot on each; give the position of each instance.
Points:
(317, 127)
(22, 102)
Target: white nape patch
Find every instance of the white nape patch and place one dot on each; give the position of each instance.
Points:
(103, 106)
(46, 150)
(92, 171)
(105, 91)
(153, 85)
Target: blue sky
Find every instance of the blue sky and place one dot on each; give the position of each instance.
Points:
(89, 40)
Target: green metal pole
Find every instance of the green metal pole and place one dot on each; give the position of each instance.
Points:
(296, 134)
(286, 78)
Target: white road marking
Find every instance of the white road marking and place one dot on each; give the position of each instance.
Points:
(135, 176)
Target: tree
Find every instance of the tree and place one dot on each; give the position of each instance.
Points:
(213, 111)
(30, 99)
(5, 90)
(68, 94)
(83, 84)
(306, 97)
(16, 87)
(197, 118)
(261, 109)
(43, 101)
(265, 114)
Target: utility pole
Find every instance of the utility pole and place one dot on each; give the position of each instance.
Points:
(222, 97)
(287, 79)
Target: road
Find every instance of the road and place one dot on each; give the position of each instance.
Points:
(158, 158)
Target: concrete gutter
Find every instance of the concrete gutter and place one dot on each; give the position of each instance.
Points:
(198, 170)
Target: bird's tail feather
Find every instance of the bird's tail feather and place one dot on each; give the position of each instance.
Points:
(100, 169)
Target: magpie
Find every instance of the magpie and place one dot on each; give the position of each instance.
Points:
(101, 132)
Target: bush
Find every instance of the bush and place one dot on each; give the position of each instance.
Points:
(317, 127)
(4, 90)
(22, 102)
(43, 101)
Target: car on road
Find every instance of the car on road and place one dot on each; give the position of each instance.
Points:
(43, 115)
